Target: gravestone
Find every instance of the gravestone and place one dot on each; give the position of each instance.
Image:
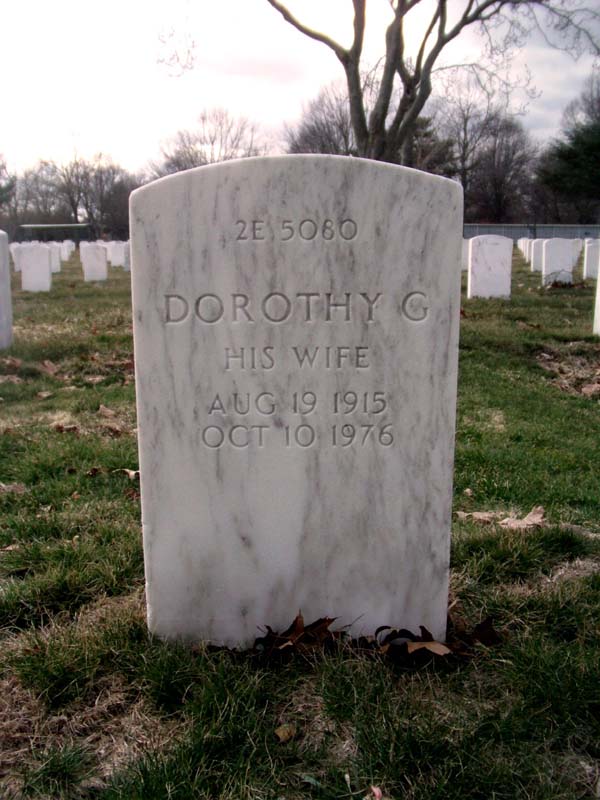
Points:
(557, 261)
(5, 294)
(490, 262)
(591, 258)
(117, 254)
(36, 268)
(127, 257)
(54, 249)
(537, 255)
(596, 328)
(15, 251)
(295, 324)
(464, 261)
(93, 261)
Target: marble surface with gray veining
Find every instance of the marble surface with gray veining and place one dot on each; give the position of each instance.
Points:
(296, 326)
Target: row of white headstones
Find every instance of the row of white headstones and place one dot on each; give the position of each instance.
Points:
(37, 261)
(488, 260)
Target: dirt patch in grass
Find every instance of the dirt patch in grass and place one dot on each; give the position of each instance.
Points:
(113, 727)
(113, 731)
(572, 570)
(306, 717)
(576, 373)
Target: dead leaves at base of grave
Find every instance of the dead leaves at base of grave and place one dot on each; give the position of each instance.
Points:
(399, 646)
(535, 519)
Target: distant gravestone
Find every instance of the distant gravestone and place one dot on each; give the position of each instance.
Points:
(557, 261)
(54, 248)
(490, 262)
(15, 252)
(93, 261)
(591, 258)
(127, 257)
(36, 268)
(5, 294)
(295, 324)
(596, 328)
(537, 254)
(117, 251)
(464, 261)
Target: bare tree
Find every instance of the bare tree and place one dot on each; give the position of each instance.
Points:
(105, 189)
(218, 137)
(505, 25)
(501, 181)
(71, 181)
(8, 183)
(585, 109)
(325, 125)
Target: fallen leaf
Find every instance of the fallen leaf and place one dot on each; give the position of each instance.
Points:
(485, 517)
(286, 732)
(12, 488)
(60, 428)
(45, 395)
(132, 474)
(9, 547)
(10, 379)
(104, 411)
(11, 361)
(113, 430)
(437, 648)
(485, 633)
(94, 378)
(468, 492)
(535, 519)
(590, 389)
(376, 792)
(48, 367)
(75, 496)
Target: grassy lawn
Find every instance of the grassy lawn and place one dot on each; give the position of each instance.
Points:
(91, 707)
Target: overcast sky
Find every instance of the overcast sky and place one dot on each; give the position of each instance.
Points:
(85, 77)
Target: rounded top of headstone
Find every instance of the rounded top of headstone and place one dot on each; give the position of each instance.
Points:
(293, 167)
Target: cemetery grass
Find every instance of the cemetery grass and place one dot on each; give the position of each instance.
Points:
(92, 707)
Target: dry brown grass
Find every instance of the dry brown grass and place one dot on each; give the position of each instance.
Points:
(114, 727)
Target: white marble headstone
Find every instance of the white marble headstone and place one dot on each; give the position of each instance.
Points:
(537, 253)
(54, 248)
(464, 260)
(93, 261)
(591, 258)
(490, 264)
(295, 324)
(5, 294)
(117, 253)
(557, 261)
(127, 256)
(36, 268)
